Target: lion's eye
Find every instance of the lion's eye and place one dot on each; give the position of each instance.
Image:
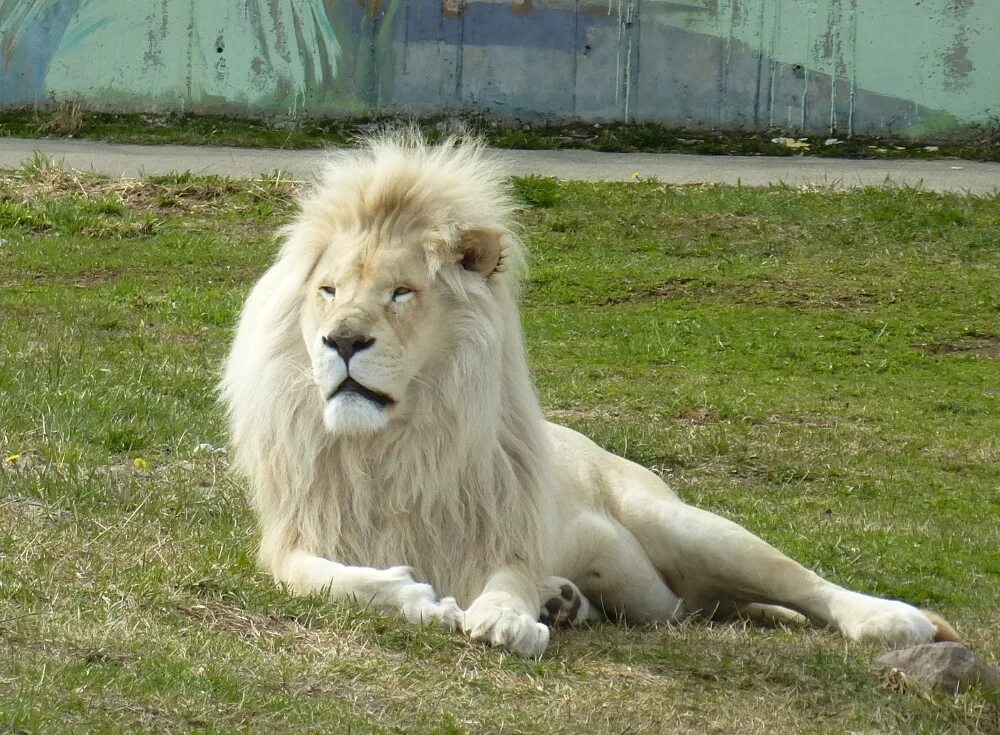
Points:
(329, 292)
(402, 294)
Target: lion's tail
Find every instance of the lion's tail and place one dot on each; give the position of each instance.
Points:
(944, 630)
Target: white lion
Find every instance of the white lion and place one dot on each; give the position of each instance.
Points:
(381, 405)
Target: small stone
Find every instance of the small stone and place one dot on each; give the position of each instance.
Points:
(948, 666)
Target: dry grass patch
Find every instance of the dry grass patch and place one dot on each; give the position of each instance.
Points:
(66, 119)
(43, 177)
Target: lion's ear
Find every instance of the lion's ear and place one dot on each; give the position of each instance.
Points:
(480, 251)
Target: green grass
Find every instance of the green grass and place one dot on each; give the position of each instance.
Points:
(820, 366)
(70, 119)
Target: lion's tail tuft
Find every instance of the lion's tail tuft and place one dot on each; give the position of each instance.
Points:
(944, 630)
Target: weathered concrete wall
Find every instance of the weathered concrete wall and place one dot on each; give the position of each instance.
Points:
(905, 66)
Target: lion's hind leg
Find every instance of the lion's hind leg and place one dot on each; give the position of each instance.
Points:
(718, 563)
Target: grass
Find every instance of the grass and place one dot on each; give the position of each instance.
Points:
(820, 366)
(69, 119)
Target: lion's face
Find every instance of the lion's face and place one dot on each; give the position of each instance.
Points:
(372, 319)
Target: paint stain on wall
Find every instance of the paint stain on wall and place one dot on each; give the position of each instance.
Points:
(958, 63)
(521, 7)
(453, 8)
(7, 49)
(962, 7)
(372, 8)
(736, 11)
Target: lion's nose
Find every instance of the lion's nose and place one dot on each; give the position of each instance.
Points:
(347, 344)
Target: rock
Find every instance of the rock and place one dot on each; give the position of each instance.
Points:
(948, 666)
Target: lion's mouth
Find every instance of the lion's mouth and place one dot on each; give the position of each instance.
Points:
(350, 385)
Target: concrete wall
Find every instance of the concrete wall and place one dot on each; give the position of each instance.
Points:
(905, 66)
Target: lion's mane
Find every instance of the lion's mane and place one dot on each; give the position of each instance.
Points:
(457, 487)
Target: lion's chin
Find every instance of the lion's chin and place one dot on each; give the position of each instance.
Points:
(353, 414)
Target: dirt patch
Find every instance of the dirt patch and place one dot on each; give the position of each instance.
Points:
(560, 415)
(762, 293)
(96, 277)
(238, 622)
(812, 421)
(698, 416)
(791, 293)
(985, 345)
(23, 509)
(667, 291)
(727, 222)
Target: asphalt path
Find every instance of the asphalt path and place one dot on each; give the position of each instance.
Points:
(121, 160)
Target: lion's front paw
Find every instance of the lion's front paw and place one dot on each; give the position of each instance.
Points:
(418, 602)
(449, 614)
(563, 604)
(864, 618)
(505, 625)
